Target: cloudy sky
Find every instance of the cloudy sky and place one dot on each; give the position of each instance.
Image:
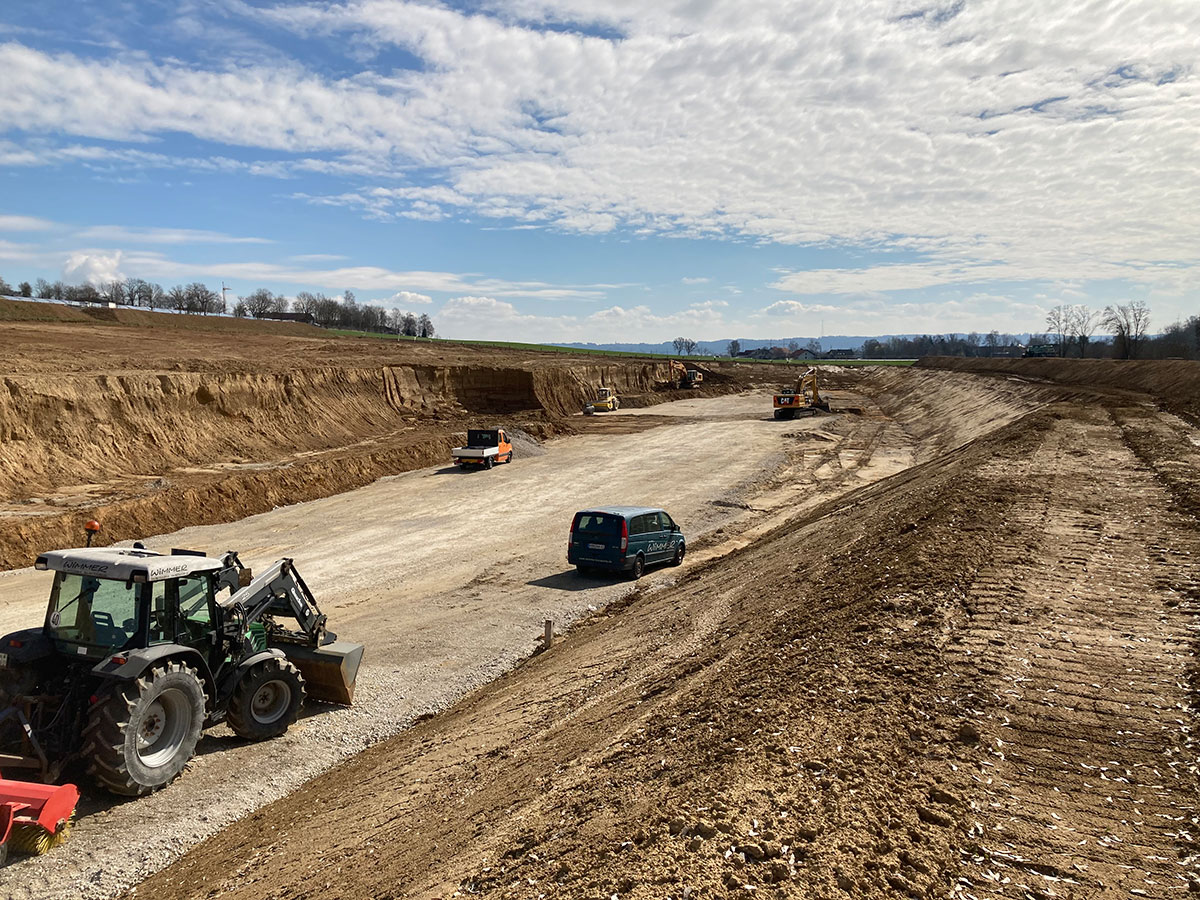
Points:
(621, 170)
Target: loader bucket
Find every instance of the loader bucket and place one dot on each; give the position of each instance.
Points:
(39, 814)
(330, 671)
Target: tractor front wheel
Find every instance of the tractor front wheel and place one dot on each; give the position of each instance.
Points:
(267, 700)
(141, 735)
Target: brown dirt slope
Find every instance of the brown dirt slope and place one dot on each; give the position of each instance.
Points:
(159, 424)
(1173, 383)
(976, 678)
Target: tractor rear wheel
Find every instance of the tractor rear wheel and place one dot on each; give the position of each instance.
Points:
(141, 735)
(267, 700)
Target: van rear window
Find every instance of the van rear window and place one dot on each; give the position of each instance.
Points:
(597, 523)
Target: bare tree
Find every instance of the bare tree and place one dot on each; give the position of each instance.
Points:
(734, 348)
(1081, 322)
(679, 344)
(684, 346)
(793, 346)
(259, 303)
(25, 289)
(425, 326)
(1127, 323)
(305, 302)
(113, 292)
(1057, 325)
(43, 289)
(813, 346)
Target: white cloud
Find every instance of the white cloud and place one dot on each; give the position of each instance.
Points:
(121, 234)
(487, 317)
(23, 223)
(867, 314)
(695, 280)
(408, 298)
(97, 268)
(1001, 143)
(154, 265)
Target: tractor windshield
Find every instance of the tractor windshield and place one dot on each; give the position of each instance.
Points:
(96, 612)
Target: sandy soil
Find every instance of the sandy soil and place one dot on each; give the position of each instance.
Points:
(446, 576)
(974, 678)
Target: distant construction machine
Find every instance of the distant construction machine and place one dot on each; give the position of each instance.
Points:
(804, 399)
(606, 401)
(140, 651)
(683, 377)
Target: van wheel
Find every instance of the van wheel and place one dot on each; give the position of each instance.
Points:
(679, 552)
(487, 463)
(510, 456)
(639, 568)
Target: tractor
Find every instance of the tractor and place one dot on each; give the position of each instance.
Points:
(141, 650)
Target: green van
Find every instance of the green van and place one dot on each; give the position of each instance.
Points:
(624, 539)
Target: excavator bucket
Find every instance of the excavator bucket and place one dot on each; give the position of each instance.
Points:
(36, 817)
(330, 671)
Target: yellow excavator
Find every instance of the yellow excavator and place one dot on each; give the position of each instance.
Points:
(684, 377)
(804, 399)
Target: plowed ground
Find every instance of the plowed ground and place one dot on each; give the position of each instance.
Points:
(974, 678)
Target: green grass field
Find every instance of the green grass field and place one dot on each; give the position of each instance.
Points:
(579, 351)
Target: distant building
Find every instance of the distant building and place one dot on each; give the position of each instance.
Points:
(764, 353)
(306, 318)
(840, 354)
(803, 353)
(1009, 351)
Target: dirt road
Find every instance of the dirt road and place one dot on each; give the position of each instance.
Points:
(446, 576)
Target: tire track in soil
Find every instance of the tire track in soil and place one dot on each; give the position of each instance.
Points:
(1085, 652)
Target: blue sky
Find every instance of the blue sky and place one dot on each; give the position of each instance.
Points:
(615, 171)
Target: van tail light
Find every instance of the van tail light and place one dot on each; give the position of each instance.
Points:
(571, 538)
(624, 535)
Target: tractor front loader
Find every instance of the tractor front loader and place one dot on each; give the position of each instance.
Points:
(140, 651)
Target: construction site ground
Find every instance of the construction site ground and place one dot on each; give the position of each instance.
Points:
(940, 642)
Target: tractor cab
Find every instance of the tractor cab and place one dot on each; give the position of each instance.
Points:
(108, 600)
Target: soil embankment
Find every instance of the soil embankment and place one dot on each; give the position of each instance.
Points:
(1173, 383)
(151, 422)
(974, 678)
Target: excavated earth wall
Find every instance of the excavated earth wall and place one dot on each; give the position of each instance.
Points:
(148, 452)
(1173, 383)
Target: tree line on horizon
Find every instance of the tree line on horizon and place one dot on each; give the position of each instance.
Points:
(198, 299)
